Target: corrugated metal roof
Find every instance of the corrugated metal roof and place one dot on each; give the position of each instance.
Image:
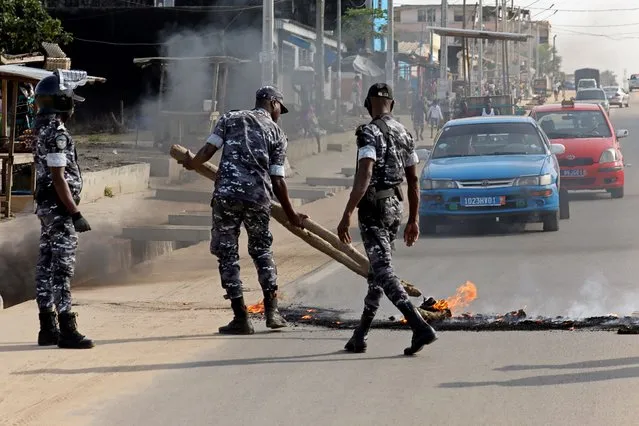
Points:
(34, 75)
(211, 59)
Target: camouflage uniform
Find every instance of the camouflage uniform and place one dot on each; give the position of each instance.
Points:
(379, 224)
(54, 147)
(254, 149)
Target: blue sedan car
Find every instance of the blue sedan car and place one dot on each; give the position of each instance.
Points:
(500, 168)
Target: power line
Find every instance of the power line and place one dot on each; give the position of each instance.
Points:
(597, 26)
(110, 43)
(628, 9)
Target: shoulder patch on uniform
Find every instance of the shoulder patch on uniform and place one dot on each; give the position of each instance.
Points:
(61, 141)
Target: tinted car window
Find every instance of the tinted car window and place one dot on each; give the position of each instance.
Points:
(574, 124)
(588, 94)
(488, 139)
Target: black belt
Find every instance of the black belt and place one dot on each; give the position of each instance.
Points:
(385, 193)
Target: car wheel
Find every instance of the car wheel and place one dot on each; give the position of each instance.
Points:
(428, 226)
(551, 222)
(564, 204)
(616, 192)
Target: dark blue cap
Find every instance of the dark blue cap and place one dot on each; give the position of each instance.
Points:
(272, 94)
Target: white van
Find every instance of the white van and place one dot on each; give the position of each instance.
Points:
(633, 82)
(587, 83)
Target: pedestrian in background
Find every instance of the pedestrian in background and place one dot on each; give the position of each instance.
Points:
(435, 117)
(418, 114)
(386, 154)
(251, 172)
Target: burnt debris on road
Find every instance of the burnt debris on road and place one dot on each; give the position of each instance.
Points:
(512, 321)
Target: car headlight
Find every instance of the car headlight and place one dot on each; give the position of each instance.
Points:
(533, 180)
(608, 156)
(438, 184)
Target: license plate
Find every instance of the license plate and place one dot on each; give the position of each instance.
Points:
(573, 173)
(483, 201)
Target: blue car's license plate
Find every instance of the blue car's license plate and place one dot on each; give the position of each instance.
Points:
(483, 201)
(573, 173)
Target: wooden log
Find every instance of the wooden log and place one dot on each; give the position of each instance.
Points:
(314, 234)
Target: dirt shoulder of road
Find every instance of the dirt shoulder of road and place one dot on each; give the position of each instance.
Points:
(163, 311)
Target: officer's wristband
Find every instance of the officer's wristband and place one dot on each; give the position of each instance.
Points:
(76, 216)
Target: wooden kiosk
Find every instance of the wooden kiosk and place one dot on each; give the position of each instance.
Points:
(11, 76)
(173, 126)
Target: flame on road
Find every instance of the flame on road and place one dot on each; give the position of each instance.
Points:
(258, 308)
(463, 297)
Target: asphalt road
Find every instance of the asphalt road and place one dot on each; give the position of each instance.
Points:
(300, 376)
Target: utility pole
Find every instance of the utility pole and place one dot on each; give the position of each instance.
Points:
(537, 70)
(529, 62)
(319, 57)
(443, 53)
(481, 46)
(518, 70)
(496, 44)
(504, 56)
(554, 55)
(390, 44)
(268, 28)
(338, 114)
(464, 57)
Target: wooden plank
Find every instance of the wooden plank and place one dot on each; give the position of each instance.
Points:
(18, 158)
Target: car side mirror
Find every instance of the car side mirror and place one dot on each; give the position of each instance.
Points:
(423, 154)
(557, 148)
(622, 133)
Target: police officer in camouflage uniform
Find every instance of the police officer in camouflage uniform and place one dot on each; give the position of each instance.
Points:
(251, 172)
(386, 152)
(58, 188)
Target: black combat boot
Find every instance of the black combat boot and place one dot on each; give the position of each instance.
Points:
(49, 332)
(240, 323)
(273, 318)
(423, 333)
(357, 343)
(70, 338)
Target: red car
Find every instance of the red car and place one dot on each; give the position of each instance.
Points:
(593, 159)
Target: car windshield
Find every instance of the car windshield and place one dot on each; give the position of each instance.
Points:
(574, 124)
(610, 91)
(488, 139)
(634, 77)
(591, 94)
(587, 83)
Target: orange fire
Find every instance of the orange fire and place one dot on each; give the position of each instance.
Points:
(258, 308)
(307, 317)
(464, 295)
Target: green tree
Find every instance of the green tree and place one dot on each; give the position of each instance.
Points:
(358, 25)
(608, 78)
(25, 24)
(549, 60)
